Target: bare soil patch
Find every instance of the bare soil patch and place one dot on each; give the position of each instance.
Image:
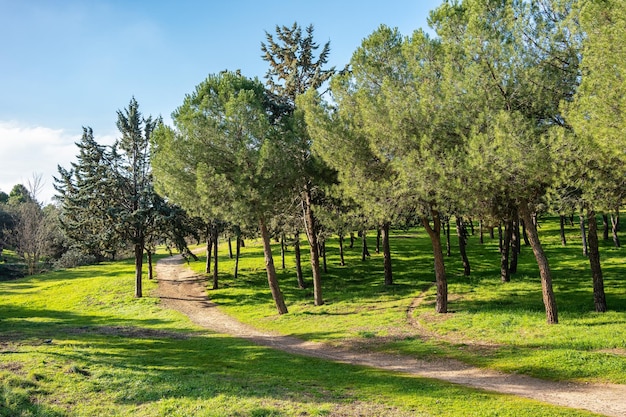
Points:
(183, 290)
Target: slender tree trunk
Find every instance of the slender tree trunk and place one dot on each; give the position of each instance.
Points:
(230, 248)
(315, 256)
(615, 228)
(282, 250)
(364, 252)
(378, 233)
(583, 234)
(447, 233)
(481, 232)
(461, 233)
(599, 298)
(500, 238)
(351, 240)
(505, 250)
(562, 225)
(138, 269)
(296, 251)
(237, 254)
(605, 227)
(515, 243)
(387, 253)
(471, 225)
(434, 233)
(342, 261)
(215, 270)
(323, 254)
(272, 280)
(524, 234)
(491, 234)
(549, 300)
(209, 251)
(150, 270)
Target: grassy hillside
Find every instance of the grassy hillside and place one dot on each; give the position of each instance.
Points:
(491, 324)
(76, 343)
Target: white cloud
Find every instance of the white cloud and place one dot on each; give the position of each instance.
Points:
(26, 151)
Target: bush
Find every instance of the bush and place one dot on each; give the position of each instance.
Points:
(73, 258)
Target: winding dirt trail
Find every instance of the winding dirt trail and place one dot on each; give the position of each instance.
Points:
(183, 290)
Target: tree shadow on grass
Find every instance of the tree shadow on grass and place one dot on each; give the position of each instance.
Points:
(201, 368)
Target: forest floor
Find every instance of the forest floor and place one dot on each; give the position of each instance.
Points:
(183, 290)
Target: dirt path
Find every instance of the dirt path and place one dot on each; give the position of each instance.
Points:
(181, 289)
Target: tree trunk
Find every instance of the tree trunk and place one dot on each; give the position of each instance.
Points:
(516, 246)
(364, 252)
(312, 237)
(351, 240)
(500, 239)
(615, 228)
(440, 270)
(378, 233)
(215, 270)
(230, 248)
(605, 227)
(237, 253)
(296, 251)
(282, 250)
(583, 234)
(549, 301)
(209, 251)
(323, 254)
(461, 233)
(481, 235)
(562, 225)
(524, 234)
(515, 243)
(150, 271)
(342, 261)
(491, 234)
(387, 253)
(505, 250)
(471, 225)
(138, 269)
(599, 298)
(272, 280)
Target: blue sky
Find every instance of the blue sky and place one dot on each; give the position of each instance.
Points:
(68, 64)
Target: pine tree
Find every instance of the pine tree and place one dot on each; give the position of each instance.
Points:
(294, 69)
(85, 191)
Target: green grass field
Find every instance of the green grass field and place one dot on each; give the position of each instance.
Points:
(77, 343)
(491, 324)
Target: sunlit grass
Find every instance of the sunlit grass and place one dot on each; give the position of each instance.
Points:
(491, 324)
(76, 343)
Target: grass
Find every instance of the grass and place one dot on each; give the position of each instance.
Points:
(76, 343)
(491, 324)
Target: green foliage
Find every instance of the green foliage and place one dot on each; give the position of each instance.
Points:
(228, 157)
(592, 157)
(86, 194)
(294, 69)
(108, 200)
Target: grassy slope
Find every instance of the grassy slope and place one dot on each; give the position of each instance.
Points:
(76, 343)
(496, 325)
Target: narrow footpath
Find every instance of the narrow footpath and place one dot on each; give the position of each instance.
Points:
(181, 289)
